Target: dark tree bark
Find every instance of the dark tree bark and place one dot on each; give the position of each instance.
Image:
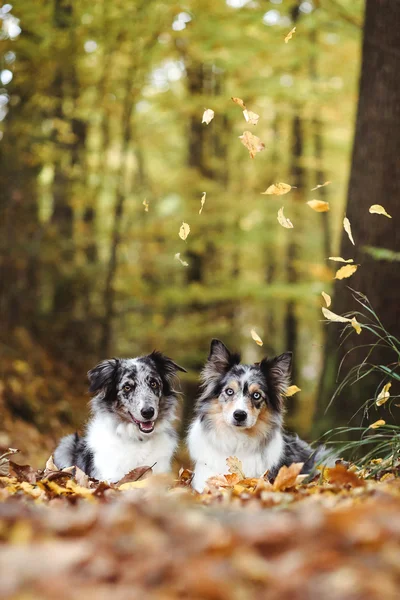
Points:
(374, 180)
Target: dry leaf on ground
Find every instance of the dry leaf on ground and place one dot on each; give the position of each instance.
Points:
(318, 205)
(340, 475)
(287, 477)
(252, 143)
(235, 467)
(346, 271)
(277, 189)
(256, 337)
(208, 116)
(284, 221)
(377, 209)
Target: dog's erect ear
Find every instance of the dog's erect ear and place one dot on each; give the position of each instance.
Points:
(220, 361)
(277, 372)
(103, 375)
(165, 365)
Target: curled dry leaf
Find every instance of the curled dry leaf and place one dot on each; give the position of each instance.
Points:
(251, 117)
(178, 257)
(318, 205)
(327, 298)
(290, 35)
(202, 202)
(331, 316)
(252, 143)
(340, 475)
(208, 116)
(277, 189)
(146, 205)
(287, 476)
(320, 185)
(340, 259)
(377, 209)
(184, 231)
(292, 390)
(346, 271)
(383, 395)
(356, 325)
(377, 424)
(235, 467)
(240, 103)
(256, 337)
(347, 228)
(284, 221)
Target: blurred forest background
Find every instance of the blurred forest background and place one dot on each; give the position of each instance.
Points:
(103, 155)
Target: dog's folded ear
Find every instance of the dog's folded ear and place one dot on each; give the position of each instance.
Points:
(277, 372)
(103, 375)
(165, 365)
(220, 360)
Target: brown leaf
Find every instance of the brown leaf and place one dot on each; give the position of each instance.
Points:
(340, 475)
(240, 103)
(135, 475)
(22, 472)
(287, 476)
(252, 143)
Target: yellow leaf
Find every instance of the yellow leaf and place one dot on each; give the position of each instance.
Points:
(240, 102)
(283, 220)
(133, 485)
(347, 228)
(318, 205)
(320, 185)
(384, 395)
(378, 210)
(251, 117)
(178, 257)
(235, 467)
(290, 35)
(184, 231)
(331, 316)
(252, 143)
(327, 298)
(340, 259)
(208, 116)
(287, 476)
(356, 325)
(256, 337)
(146, 205)
(377, 424)
(202, 201)
(346, 271)
(277, 189)
(292, 390)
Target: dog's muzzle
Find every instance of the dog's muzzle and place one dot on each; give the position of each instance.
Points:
(144, 426)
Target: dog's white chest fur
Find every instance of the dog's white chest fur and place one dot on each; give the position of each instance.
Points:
(209, 451)
(118, 448)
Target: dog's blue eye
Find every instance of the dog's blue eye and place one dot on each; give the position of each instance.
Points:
(256, 396)
(229, 392)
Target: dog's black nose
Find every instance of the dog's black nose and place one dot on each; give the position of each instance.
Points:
(240, 415)
(147, 413)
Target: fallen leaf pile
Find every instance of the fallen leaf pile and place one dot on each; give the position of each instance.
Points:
(65, 536)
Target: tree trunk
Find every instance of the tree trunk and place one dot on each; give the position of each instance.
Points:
(374, 180)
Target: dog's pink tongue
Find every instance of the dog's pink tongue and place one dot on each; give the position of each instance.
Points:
(147, 425)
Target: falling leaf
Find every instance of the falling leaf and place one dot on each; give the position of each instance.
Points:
(252, 143)
(331, 316)
(356, 325)
(290, 35)
(235, 466)
(146, 205)
(178, 257)
(378, 210)
(327, 298)
(377, 424)
(208, 116)
(320, 185)
(340, 259)
(277, 189)
(251, 117)
(240, 102)
(203, 201)
(384, 395)
(283, 220)
(347, 228)
(318, 205)
(346, 271)
(256, 337)
(184, 231)
(292, 390)
(287, 476)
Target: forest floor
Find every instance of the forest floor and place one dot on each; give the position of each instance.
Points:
(65, 536)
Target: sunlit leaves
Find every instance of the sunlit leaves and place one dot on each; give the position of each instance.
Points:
(184, 231)
(356, 325)
(235, 467)
(287, 477)
(256, 337)
(347, 228)
(346, 271)
(251, 117)
(320, 185)
(252, 143)
(292, 390)
(327, 298)
(377, 424)
(284, 221)
(290, 35)
(377, 209)
(277, 189)
(331, 316)
(208, 116)
(179, 259)
(340, 259)
(202, 202)
(384, 394)
(318, 205)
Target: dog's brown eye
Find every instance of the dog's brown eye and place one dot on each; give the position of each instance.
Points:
(153, 384)
(127, 388)
(229, 392)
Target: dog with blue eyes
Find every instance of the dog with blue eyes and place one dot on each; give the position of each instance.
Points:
(133, 410)
(240, 413)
